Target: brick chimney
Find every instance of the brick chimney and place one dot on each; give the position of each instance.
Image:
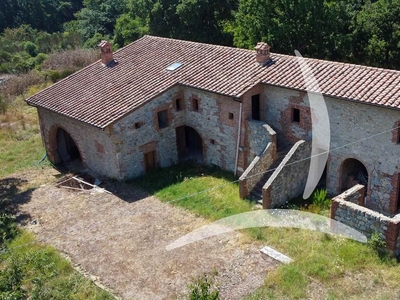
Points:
(263, 54)
(107, 58)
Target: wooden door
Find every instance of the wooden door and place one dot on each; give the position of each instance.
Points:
(150, 161)
(181, 141)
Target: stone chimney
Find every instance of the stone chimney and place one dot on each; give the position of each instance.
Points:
(263, 54)
(107, 58)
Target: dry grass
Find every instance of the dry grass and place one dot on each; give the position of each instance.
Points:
(20, 141)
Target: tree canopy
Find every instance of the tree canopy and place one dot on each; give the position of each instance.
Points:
(356, 31)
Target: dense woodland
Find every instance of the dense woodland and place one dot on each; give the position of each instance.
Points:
(355, 31)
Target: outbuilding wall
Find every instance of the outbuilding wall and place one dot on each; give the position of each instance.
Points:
(360, 131)
(211, 121)
(95, 146)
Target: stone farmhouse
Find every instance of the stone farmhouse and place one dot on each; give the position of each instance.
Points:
(158, 101)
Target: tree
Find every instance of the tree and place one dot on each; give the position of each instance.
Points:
(99, 16)
(377, 34)
(315, 28)
(203, 20)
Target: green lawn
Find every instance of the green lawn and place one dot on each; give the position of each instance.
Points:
(324, 267)
(208, 192)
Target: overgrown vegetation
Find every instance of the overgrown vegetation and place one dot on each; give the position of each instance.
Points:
(32, 271)
(324, 266)
(345, 30)
(20, 140)
(204, 288)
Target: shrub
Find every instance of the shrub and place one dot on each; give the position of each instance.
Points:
(203, 288)
(11, 281)
(8, 229)
(320, 200)
(70, 60)
(31, 49)
(40, 58)
(376, 242)
(18, 85)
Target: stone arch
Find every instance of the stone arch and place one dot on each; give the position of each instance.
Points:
(62, 146)
(190, 143)
(352, 172)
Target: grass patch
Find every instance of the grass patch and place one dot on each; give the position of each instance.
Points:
(209, 192)
(20, 141)
(32, 271)
(324, 266)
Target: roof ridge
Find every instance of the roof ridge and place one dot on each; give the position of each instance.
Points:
(99, 96)
(272, 53)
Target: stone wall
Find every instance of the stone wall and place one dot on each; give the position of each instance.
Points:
(262, 148)
(355, 194)
(95, 146)
(256, 170)
(364, 219)
(289, 179)
(216, 121)
(352, 124)
(259, 135)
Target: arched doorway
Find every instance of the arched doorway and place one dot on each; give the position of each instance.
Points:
(67, 150)
(353, 172)
(189, 144)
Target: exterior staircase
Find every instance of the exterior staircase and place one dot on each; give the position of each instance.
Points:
(283, 147)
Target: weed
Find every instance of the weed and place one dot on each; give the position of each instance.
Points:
(204, 288)
(33, 271)
(320, 200)
(376, 241)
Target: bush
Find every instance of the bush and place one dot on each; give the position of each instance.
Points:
(8, 229)
(70, 60)
(203, 288)
(58, 75)
(320, 200)
(18, 85)
(11, 281)
(40, 58)
(376, 242)
(31, 49)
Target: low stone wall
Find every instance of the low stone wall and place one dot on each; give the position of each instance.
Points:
(255, 171)
(262, 142)
(355, 194)
(289, 179)
(346, 210)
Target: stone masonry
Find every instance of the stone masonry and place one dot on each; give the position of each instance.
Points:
(345, 210)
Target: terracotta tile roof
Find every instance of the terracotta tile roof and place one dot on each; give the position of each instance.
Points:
(100, 95)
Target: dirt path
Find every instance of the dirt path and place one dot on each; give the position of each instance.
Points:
(122, 241)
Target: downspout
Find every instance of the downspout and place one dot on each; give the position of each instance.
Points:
(238, 137)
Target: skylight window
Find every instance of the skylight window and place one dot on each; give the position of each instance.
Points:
(174, 66)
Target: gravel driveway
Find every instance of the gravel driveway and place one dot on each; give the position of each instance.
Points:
(122, 239)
